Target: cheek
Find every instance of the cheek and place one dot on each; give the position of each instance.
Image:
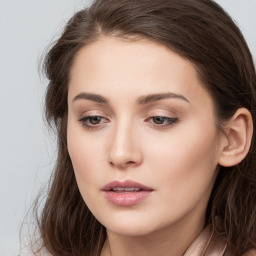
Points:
(85, 154)
(82, 155)
(84, 150)
(184, 162)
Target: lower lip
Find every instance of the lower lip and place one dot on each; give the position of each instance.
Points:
(126, 199)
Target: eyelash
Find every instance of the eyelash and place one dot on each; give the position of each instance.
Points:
(85, 120)
(170, 122)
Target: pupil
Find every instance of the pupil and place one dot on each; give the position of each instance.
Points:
(159, 119)
(95, 120)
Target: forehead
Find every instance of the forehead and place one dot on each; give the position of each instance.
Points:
(133, 68)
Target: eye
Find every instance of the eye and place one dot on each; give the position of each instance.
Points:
(162, 121)
(93, 122)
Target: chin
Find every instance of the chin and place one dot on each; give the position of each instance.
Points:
(130, 230)
(132, 224)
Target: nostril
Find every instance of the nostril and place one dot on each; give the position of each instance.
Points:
(123, 164)
(130, 162)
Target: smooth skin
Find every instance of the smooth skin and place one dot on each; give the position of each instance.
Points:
(169, 143)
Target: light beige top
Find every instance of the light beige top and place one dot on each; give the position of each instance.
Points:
(206, 244)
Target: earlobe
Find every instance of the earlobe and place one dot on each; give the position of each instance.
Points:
(238, 133)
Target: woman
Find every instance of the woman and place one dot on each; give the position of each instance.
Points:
(154, 104)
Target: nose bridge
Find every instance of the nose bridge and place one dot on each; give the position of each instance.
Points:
(124, 149)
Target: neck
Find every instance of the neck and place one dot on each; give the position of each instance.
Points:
(171, 240)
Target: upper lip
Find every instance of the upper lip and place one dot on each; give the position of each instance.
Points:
(125, 184)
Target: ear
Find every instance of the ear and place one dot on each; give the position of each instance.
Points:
(238, 134)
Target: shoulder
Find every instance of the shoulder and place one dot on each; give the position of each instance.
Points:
(208, 243)
(250, 253)
(230, 252)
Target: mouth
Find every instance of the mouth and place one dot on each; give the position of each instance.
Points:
(126, 193)
(125, 186)
(125, 190)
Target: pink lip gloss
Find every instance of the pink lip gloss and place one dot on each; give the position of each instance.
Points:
(126, 193)
(126, 199)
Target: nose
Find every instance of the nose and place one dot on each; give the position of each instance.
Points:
(124, 151)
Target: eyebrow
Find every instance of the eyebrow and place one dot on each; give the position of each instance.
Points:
(142, 100)
(160, 96)
(91, 96)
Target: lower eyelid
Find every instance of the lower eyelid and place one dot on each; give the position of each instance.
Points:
(171, 121)
(85, 122)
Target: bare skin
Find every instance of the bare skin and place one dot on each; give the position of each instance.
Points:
(176, 155)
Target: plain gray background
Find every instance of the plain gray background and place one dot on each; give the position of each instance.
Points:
(27, 151)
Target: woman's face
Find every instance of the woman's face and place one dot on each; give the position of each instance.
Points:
(141, 136)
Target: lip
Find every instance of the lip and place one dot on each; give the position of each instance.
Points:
(126, 198)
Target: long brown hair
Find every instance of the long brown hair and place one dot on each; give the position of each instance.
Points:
(198, 30)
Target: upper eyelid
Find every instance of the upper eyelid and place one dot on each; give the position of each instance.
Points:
(147, 119)
(145, 111)
(169, 108)
(166, 105)
(85, 114)
(148, 113)
(166, 118)
(88, 116)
